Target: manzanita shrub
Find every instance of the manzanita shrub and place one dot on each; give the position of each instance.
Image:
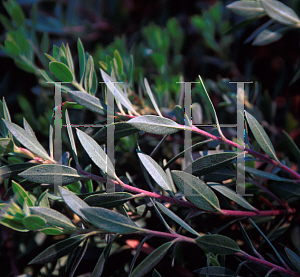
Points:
(147, 197)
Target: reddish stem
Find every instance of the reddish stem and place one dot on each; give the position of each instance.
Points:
(268, 264)
(188, 204)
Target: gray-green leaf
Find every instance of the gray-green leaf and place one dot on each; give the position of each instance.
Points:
(110, 220)
(96, 153)
(51, 174)
(267, 37)
(261, 136)
(218, 244)
(155, 171)
(196, 191)
(155, 124)
(27, 140)
(88, 101)
(232, 195)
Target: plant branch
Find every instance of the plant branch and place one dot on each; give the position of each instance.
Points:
(267, 264)
(185, 203)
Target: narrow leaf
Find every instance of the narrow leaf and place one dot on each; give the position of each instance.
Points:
(292, 146)
(117, 92)
(108, 200)
(232, 195)
(176, 218)
(210, 163)
(295, 259)
(155, 124)
(148, 89)
(96, 153)
(52, 174)
(155, 171)
(196, 191)
(110, 221)
(11, 170)
(218, 244)
(152, 260)
(214, 271)
(27, 140)
(58, 250)
(261, 136)
(104, 255)
(71, 137)
(81, 57)
(6, 146)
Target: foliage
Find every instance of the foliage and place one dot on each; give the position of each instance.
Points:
(161, 205)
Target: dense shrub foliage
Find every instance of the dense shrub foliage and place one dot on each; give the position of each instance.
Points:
(134, 171)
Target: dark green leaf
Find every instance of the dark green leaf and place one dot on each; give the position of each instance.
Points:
(210, 163)
(232, 195)
(155, 124)
(217, 244)
(155, 171)
(61, 71)
(110, 221)
(155, 273)
(176, 218)
(52, 174)
(58, 250)
(34, 222)
(27, 140)
(196, 191)
(11, 170)
(53, 217)
(265, 174)
(96, 153)
(152, 260)
(280, 12)
(122, 129)
(108, 200)
(246, 8)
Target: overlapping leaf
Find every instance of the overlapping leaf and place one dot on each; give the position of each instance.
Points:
(246, 8)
